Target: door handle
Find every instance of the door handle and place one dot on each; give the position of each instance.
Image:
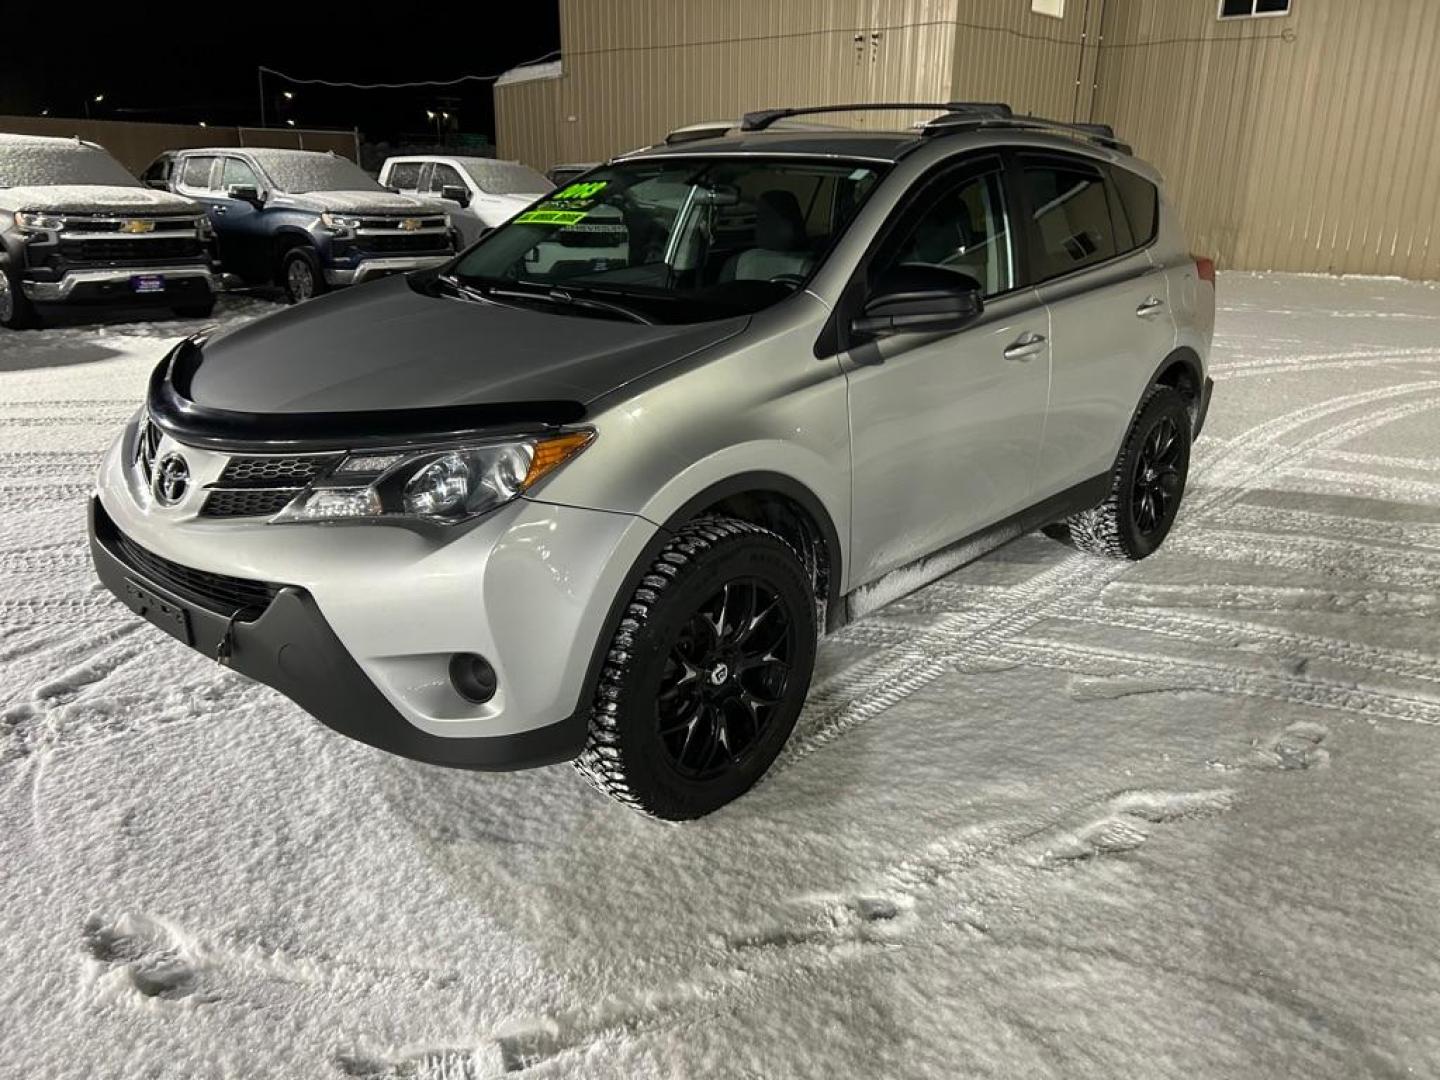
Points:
(1150, 307)
(1025, 346)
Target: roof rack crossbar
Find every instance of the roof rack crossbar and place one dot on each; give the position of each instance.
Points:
(763, 118)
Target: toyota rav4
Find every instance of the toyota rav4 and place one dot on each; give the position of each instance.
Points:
(494, 516)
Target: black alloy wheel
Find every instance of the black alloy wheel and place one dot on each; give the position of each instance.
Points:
(725, 674)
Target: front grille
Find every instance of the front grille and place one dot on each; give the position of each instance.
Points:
(430, 243)
(272, 471)
(138, 250)
(220, 593)
(247, 502)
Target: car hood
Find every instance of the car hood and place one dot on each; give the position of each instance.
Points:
(356, 202)
(386, 347)
(95, 199)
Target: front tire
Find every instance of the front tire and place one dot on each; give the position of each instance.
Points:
(300, 275)
(706, 674)
(1146, 486)
(16, 310)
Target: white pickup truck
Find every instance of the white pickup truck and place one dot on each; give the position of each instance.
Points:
(486, 192)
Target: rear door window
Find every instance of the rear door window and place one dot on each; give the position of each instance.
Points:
(1069, 215)
(195, 175)
(405, 176)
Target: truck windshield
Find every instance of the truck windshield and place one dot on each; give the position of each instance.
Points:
(507, 178)
(33, 163)
(295, 172)
(679, 239)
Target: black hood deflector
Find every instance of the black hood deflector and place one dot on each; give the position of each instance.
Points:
(386, 364)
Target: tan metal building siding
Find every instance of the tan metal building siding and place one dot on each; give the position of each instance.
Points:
(1308, 142)
(1300, 143)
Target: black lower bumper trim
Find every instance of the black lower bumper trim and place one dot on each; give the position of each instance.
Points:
(290, 647)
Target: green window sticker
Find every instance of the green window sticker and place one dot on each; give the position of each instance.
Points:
(579, 192)
(551, 217)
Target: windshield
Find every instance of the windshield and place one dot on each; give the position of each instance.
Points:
(298, 173)
(507, 178)
(46, 164)
(676, 240)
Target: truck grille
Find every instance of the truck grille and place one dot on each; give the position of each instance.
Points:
(138, 250)
(406, 243)
(219, 593)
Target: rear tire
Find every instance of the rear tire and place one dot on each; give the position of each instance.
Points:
(300, 275)
(706, 673)
(16, 310)
(1146, 485)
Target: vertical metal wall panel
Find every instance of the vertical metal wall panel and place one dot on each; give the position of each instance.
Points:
(1306, 142)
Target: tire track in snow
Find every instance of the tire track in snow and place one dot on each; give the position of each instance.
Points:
(1251, 516)
(1119, 673)
(1335, 558)
(1153, 596)
(1231, 634)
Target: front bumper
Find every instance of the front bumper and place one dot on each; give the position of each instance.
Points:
(289, 646)
(362, 631)
(183, 284)
(367, 269)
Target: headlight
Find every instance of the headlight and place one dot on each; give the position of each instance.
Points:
(39, 222)
(445, 485)
(340, 224)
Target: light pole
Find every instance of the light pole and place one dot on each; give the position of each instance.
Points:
(98, 98)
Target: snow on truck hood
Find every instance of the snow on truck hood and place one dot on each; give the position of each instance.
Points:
(359, 202)
(94, 199)
(387, 347)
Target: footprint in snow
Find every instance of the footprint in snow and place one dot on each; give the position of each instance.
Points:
(1123, 824)
(141, 958)
(1297, 747)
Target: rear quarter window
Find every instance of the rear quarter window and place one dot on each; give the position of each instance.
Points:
(1141, 202)
(405, 175)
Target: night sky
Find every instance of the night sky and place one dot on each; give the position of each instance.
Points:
(187, 63)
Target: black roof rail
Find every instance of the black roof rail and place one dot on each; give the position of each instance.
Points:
(763, 118)
(1102, 134)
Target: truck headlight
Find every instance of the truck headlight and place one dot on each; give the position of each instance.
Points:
(445, 485)
(32, 221)
(339, 224)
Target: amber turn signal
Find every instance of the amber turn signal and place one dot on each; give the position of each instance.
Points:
(552, 452)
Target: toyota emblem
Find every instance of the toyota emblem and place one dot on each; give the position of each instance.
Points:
(172, 480)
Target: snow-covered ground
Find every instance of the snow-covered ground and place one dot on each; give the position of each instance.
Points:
(1051, 816)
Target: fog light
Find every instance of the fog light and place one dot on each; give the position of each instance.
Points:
(473, 677)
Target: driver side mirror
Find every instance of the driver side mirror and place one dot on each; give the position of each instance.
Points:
(455, 193)
(245, 193)
(919, 300)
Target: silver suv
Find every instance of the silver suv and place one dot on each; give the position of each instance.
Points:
(512, 511)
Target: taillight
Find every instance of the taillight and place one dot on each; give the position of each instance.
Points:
(1205, 268)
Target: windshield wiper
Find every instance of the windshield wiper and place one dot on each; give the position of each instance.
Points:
(557, 295)
(459, 288)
